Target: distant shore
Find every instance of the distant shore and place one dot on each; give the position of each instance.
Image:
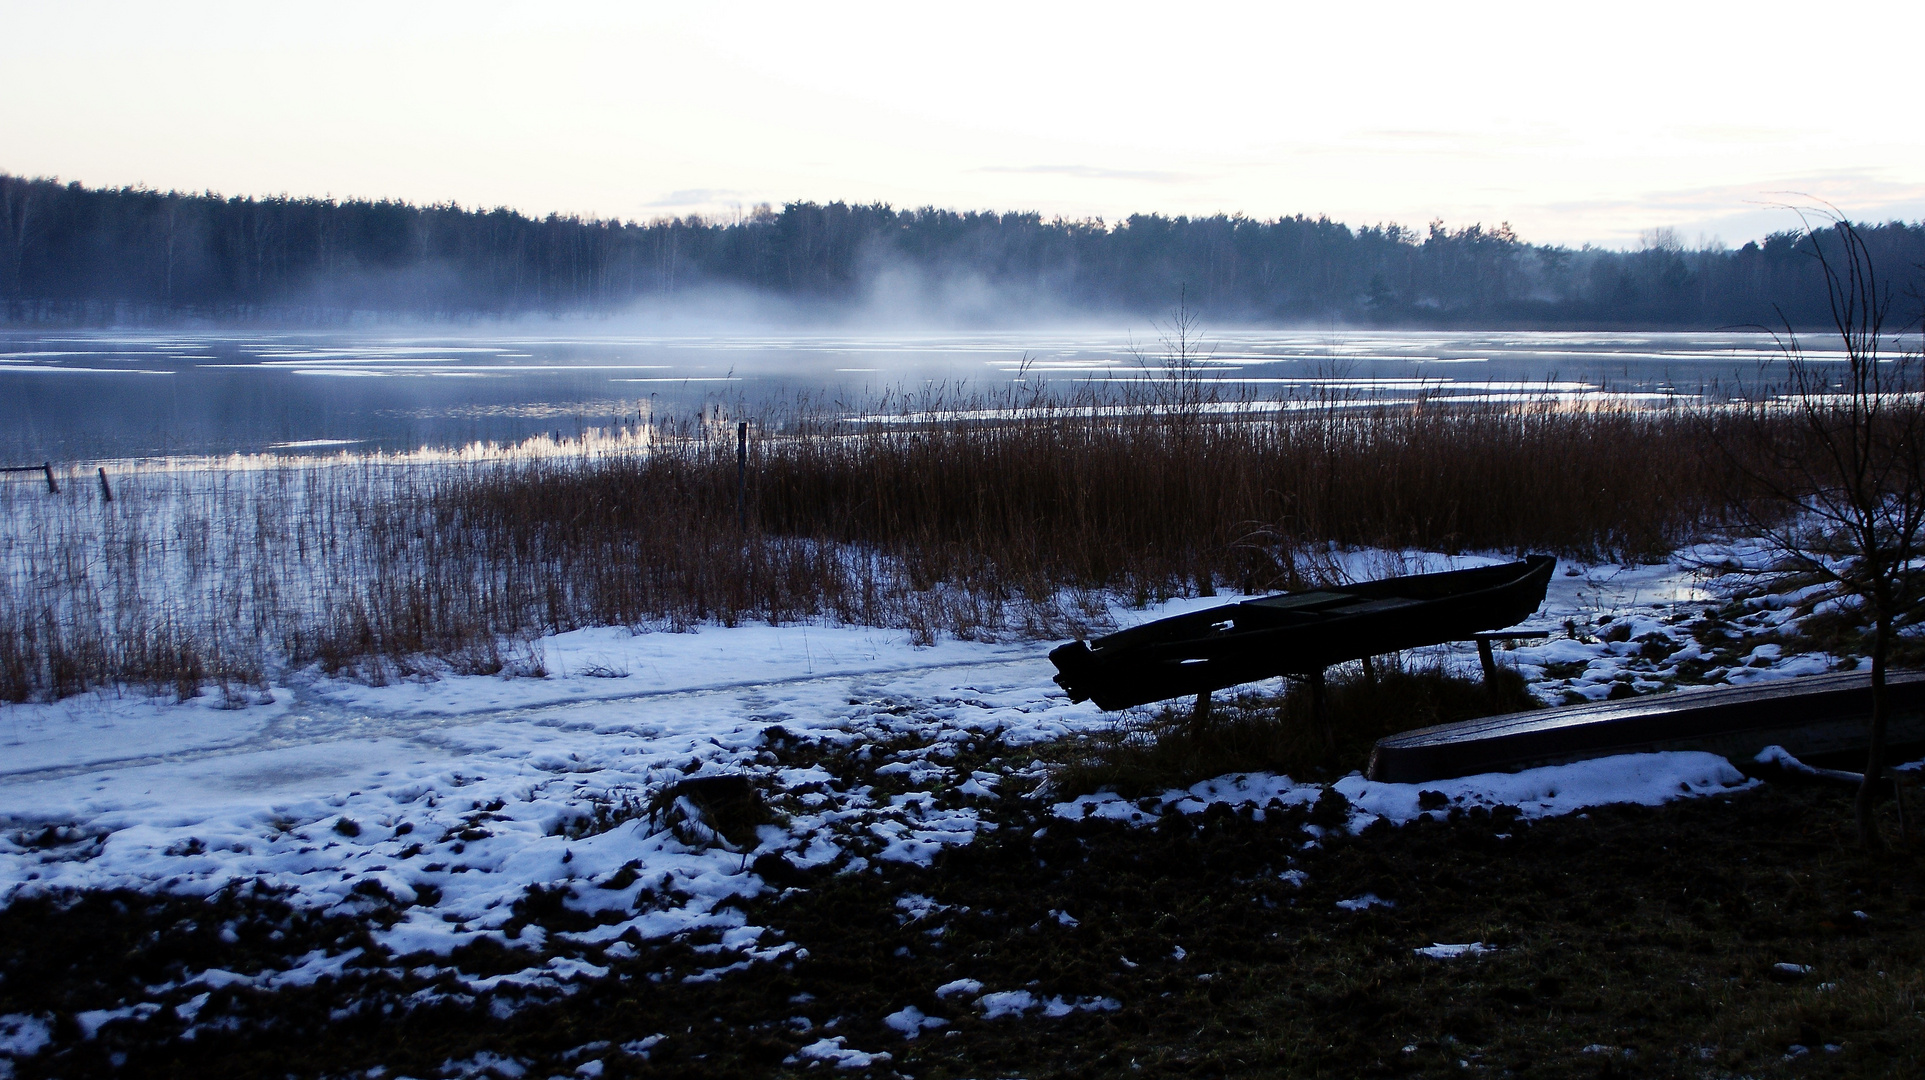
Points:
(77, 256)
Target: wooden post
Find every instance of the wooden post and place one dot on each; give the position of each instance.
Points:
(106, 493)
(1899, 784)
(52, 488)
(742, 474)
(1320, 709)
(1200, 716)
(1489, 659)
(1370, 674)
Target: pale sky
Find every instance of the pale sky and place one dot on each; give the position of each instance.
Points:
(1576, 122)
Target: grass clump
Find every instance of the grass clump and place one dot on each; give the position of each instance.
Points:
(1279, 732)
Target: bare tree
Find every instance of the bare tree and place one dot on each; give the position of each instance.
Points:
(1179, 375)
(1837, 457)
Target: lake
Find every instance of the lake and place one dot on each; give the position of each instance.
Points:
(77, 396)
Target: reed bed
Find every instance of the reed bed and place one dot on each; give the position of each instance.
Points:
(1014, 517)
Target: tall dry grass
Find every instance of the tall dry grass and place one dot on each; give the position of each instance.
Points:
(967, 517)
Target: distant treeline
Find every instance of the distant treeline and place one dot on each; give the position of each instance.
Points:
(70, 253)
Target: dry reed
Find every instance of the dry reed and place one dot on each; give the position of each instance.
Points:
(969, 518)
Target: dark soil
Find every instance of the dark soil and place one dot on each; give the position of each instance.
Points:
(1630, 942)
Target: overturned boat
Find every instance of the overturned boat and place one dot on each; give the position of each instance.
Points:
(1816, 717)
(1297, 633)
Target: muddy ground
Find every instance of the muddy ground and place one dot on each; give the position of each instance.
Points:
(1738, 935)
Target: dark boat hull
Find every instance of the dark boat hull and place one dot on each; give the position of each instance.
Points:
(1811, 717)
(1297, 633)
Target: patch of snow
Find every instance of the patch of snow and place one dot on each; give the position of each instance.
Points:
(834, 1051)
(1553, 790)
(1452, 952)
(916, 907)
(910, 1021)
(959, 986)
(1006, 1003)
(1365, 902)
(1549, 791)
(92, 1020)
(1017, 1002)
(640, 1047)
(1236, 789)
(23, 1035)
(485, 1064)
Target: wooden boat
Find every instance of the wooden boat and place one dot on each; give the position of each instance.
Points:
(1297, 633)
(1814, 717)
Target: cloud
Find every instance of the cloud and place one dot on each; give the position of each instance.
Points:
(1092, 172)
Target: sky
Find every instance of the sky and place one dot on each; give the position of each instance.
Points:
(1577, 123)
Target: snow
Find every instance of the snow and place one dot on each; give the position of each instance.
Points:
(92, 1020)
(1452, 952)
(99, 729)
(1006, 1003)
(834, 1051)
(1018, 1002)
(1237, 789)
(911, 1022)
(1554, 790)
(448, 799)
(765, 658)
(484, 1064)
(640, 1047)
(22, 1035)
(1550, 791)
(457, 806)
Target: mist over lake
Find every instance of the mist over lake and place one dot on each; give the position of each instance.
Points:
(85, 395)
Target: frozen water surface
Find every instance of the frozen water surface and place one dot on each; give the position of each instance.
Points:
(113, 395)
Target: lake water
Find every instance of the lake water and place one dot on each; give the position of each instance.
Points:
(73, 396)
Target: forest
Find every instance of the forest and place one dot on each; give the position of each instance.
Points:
(71, 254)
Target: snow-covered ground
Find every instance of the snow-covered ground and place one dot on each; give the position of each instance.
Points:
(450, 799)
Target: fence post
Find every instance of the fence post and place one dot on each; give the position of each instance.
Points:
(742, 474)
(106, 493)
(52, 488)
